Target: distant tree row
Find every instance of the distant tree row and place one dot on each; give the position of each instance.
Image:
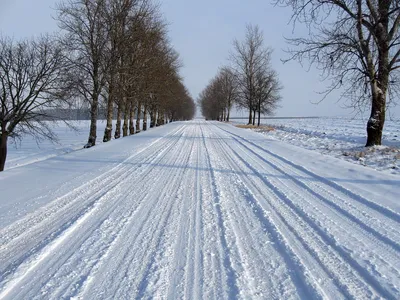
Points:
(220, 95)
(248, 83)
(113, 54)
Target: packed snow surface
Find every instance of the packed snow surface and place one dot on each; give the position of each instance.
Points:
(198, 210)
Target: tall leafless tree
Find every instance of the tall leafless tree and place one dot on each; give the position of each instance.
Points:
(121, 52)
(248, 58)
(356, 44)
(32, 88)
(212, 100)
(229, 89)
(267, 94)
(115, 16)
(87, 36)
(166, 64)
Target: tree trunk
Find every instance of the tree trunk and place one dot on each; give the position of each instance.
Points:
(117, 133)
(139, 108)
(145, 118)
(131, 121)
(259, 118)
(152, 119)
(126, 118)
(110, 112)
(254, 117)
(93, 121)
(376, 120)
(379, 88)
(108, 129)
(160, 119)
(158, 122)
(3, 150)
(250, 117)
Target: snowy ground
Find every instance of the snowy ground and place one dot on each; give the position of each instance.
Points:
(198, 210)
(28, 150)
(339, 137)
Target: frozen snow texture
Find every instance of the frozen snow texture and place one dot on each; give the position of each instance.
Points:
(340, 137)
(27, 150)
(198, 210)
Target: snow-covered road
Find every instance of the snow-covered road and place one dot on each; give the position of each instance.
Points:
(198, 210)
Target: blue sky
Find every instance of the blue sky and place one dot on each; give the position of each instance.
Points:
(202, 32)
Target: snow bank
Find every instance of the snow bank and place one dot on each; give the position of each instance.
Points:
(339, 137)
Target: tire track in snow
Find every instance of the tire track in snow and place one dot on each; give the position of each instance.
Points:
(323, 194)
(260, 275)
(198, 266)
(385, 248)
(329, 265)
(134, 263)
(49, 245)
(186, 267)
(170, 229)
(234, 221)
(273, 228)
(146, 182)
(195, 287)
(361, 271)
(222, 251)
(380, 253)
(16, 230)
(384, 211)
(61, 212)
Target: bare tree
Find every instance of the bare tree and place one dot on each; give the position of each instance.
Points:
(229, 89)
(217, 99)
(212, 100)
(123, 54)
(356, 44)
(248, 58)
(166, 64)
(87, 38)
(147, 66)
(183, 107)
(32, 88)
(115, 13)
(267, 92)
(137, 64)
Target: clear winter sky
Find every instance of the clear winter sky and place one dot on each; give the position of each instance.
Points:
(202, 32)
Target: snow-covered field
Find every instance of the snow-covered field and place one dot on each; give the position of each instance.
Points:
(340, 137)
(28, 150)
(198, 210)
